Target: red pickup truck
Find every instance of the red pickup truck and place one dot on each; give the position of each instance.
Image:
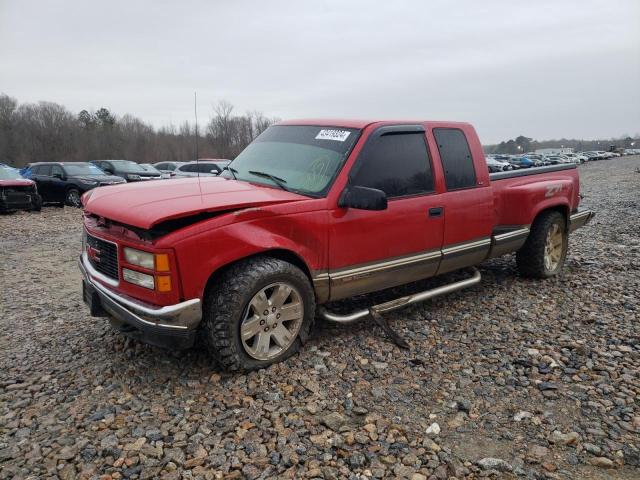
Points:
(310, 212)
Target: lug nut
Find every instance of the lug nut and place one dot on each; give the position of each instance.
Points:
(275, 325)
(266, 312)
(266, 329)
(261, 322)
(273, 309)
(278, 316)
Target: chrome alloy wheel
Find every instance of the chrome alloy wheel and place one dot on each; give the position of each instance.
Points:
(553, 248)
(272, 321)
(73, 198)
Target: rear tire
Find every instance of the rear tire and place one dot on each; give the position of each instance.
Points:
(544, 252)
(239, 325)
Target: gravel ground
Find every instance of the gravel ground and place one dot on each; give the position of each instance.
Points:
(511, 378)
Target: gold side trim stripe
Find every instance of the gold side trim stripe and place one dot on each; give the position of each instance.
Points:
(467, 246)
(508, 235)
(388, 264)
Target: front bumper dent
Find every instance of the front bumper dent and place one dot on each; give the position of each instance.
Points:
(580, 219)
(172, 326)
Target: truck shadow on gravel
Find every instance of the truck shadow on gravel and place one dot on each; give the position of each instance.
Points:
(497, 274)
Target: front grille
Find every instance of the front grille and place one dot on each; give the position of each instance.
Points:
(103, 256)
(19, 189)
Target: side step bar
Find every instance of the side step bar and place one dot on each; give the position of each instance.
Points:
(403, 301)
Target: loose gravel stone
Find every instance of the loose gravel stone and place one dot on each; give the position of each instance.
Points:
(499, 368)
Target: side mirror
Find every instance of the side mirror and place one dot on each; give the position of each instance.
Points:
(363, 198)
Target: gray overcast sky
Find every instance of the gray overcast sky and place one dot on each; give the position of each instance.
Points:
(546, 69)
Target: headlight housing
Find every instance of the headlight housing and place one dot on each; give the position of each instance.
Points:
(88, 182)
(139, 258)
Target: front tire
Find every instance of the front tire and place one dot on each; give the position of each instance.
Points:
(544, 252)
(256, 313)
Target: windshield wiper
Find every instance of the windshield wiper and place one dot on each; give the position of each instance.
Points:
(277, 180)
(232, 170)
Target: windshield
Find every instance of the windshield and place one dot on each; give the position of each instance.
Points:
(81, 169)
(9, 174)
(306, 158)
(128, 166)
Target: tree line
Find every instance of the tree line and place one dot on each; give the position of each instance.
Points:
(522, 144)
(47, 131)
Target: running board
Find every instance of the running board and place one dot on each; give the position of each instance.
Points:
(402, 301)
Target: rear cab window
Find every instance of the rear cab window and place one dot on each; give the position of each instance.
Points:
(455, 155)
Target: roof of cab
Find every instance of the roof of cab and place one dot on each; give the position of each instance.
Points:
(360, 123)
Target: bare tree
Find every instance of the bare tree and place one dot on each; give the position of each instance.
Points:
(47, 131)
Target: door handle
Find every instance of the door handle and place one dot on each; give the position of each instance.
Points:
(436, 211)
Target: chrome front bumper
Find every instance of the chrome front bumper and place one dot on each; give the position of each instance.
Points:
(580, 219)
(180, 320)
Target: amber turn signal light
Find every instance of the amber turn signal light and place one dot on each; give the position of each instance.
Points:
(163, 283)
(162, 262)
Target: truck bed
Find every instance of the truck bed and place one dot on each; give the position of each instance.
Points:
(525, 172)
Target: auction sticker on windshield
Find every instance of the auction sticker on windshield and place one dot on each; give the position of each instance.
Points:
(337, 135)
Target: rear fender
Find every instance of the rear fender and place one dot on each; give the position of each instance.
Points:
(521, 204)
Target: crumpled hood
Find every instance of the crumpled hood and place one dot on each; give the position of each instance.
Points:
(145, 204)
(21, 182)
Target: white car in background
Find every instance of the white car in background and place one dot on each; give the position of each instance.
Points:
(576, 157)
(497, 166)
(207, 167)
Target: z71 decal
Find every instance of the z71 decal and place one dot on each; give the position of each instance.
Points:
(553, 189)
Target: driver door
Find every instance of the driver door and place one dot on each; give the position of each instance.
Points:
(372, 250)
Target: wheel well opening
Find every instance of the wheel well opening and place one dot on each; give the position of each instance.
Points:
(280, 254)
(558, 208)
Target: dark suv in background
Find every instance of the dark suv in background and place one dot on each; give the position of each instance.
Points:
(130, 171)
(65, 182)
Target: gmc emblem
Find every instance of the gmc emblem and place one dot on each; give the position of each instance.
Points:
(93, 254)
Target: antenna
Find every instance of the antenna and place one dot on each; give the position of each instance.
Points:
(195, 112)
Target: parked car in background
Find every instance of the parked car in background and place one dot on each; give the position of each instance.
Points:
(540, 159)
(521, 162)
(537, 162)
(592, 156)
(497, 166)
(150, 168)
(25, 172)
(63, 183)
(205, 167)
(559, 159)
(168, 167)
(130, 171)
(576, 157)
(16, 192)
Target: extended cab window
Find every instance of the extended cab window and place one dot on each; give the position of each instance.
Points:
(396, 163)
(455, 155)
